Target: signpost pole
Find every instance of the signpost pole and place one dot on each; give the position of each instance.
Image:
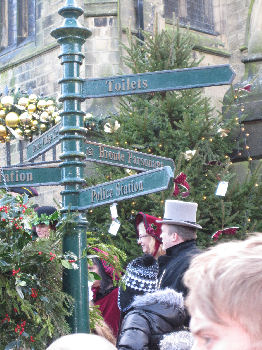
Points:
(71, 36)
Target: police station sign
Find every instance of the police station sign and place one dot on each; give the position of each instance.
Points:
(129, 187)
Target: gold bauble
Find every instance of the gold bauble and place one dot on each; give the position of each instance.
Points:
(19, 131)
(25, 118)
(27, 132)
(41, 104)
(2, 131)
(49, 102)
(12, 119)
(31, 108)
(23, 101)
(57, 119)
(8, 138)
(7, 101)
(2, 113)
(44, 117)
(42, 127)
(34, 128)
(32, 98)
(34, 122)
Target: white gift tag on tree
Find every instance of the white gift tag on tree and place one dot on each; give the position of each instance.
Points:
(222, 188)
(113, 210)
(114, 227)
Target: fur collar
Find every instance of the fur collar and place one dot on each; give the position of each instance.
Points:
(168, 297)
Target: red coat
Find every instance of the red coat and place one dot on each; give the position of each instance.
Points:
(109, 308)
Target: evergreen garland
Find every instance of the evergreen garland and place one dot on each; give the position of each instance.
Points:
(33, 307)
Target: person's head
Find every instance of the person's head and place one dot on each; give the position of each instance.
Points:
(148, 234)
(179, 223)
(106, 278)
(102, 268)
(45, 222)
(224, 298)
(175, 234)
(81, 341)
(140, 278)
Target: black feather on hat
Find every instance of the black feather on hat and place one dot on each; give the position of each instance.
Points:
(140, 278)
(30, 191)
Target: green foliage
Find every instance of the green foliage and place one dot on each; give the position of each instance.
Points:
(33, 306)
(45, 219)
(109, 253)
(183, 126)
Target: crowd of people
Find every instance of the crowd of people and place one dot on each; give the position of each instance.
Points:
(175, 296)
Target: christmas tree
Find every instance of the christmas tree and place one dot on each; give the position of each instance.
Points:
(183, 126)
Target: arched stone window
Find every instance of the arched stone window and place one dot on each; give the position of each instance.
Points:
(197, 14)
(17, 23)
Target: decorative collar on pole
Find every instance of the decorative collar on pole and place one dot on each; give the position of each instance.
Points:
(181, 180)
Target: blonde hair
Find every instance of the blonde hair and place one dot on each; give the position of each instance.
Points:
(102, 329)
(227, 280)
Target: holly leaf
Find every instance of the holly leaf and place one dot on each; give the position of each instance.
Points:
(92, 277)
(66, 264)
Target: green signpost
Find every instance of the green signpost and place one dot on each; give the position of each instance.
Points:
(76, 149)
(29, 176)
(132, 186)
(176, 79)
(100, 153)
(43, 143)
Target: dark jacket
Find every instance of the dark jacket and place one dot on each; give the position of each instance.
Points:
(150, 317)
(174, 264)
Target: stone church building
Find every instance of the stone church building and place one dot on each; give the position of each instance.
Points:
(226, 32)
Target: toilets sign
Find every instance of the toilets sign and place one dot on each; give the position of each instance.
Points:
(177, 79)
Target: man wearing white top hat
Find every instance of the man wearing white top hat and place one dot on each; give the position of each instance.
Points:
(179, 240)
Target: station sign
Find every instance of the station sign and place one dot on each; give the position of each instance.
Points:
(129, 187)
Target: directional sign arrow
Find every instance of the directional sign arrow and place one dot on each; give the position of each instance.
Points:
(17, 177)
(100, 153)
(132, 186)
(178, 79)
(43, 143)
